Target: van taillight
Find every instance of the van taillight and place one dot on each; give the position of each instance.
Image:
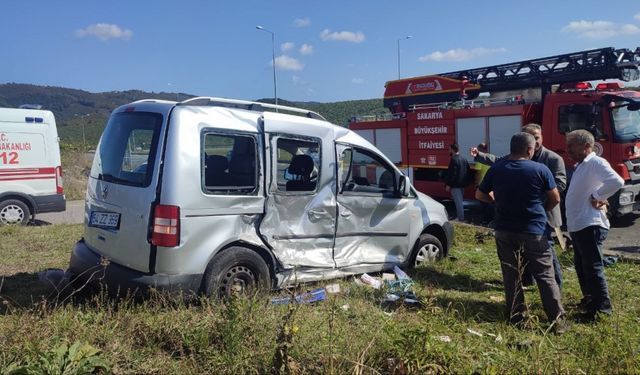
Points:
(166, 226)
(59, 188)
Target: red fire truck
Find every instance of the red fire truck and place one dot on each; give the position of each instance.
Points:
(490, 104)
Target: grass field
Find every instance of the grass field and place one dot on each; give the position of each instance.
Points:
(459, 329)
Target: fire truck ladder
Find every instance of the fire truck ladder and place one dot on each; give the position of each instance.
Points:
(596, 64)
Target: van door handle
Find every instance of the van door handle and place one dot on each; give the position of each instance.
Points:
(345, 213)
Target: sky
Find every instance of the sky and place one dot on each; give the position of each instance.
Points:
(325, 51)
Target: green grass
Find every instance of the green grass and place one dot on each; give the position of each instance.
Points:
(348, 333)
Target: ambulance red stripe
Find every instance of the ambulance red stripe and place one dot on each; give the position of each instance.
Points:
(14, 174)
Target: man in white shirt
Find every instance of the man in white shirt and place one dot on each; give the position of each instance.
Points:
(593, 181)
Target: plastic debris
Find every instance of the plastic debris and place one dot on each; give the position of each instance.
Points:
(475, 333)
(388, 276)
(315, 295)
(332, 288)
(345, 307)
(371, 281)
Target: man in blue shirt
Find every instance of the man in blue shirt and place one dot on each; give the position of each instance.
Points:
(523, 191)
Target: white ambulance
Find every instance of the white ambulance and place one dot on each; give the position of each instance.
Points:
(30, 168)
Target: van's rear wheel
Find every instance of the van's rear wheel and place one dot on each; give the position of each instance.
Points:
(236, 271)
(14, 212)
(429, 249)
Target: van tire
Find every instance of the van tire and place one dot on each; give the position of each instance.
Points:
(14, 212)
(235, 271)
(428, 249)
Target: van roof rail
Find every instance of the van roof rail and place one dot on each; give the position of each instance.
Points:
(248, 105)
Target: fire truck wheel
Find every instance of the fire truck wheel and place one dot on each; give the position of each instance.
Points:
(14, 212)
(236, 271)
(429, 249)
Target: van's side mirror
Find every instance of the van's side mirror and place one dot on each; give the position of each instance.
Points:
(404, 186)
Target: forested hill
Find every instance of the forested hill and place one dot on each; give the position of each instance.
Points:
(73, 107)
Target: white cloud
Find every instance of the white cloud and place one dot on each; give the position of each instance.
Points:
(599, 29)
(637, 16)
(306, 49)
(357, 81)
(302, 22)
(288, 46)
(104, 31)
(285, 62)
(345, 36)
(460, 54)
(629, 29)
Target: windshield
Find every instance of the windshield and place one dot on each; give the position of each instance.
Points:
(127, 149)
(626, 123)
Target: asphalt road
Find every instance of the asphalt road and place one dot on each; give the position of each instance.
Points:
(623, 239)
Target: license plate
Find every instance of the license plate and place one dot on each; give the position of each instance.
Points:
(104, 220)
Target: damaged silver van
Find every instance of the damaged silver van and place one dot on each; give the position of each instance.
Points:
(222, 196)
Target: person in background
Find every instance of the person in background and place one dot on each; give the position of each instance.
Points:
(523, 191)
(592, 182)
(482, 166)
(456, 179)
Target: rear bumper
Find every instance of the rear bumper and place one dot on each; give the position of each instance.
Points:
(89, 267)
(49, 203)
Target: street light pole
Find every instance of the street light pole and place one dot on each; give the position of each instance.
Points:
(406, 37)
(84, 139)
(273, 57)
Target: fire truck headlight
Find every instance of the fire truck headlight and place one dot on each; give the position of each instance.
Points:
(626, 197)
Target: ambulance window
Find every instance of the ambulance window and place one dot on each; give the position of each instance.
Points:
(229, 164)
(365, 172)
(127, 150)
(579, 116)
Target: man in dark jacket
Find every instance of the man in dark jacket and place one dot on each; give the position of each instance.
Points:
(457, 178)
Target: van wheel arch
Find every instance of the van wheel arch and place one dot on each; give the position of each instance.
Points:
(243, 266)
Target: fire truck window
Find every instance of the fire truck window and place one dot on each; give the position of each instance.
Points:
(365, 172)
(579, 116)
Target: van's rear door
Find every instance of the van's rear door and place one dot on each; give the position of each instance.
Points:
(122, 187)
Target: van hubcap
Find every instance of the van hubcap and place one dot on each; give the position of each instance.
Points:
(238, 280)
(11, 214)
(427, 253)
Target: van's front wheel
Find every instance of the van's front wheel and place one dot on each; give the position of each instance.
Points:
(429, 249)
(236, 271)
(14, 212)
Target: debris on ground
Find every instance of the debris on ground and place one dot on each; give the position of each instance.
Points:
(609, 260)
(475, 333)
(371, 281)
(315, 295)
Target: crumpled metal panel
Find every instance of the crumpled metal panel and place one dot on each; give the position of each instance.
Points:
(202, 237)
(300, 227)
(371, 229)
